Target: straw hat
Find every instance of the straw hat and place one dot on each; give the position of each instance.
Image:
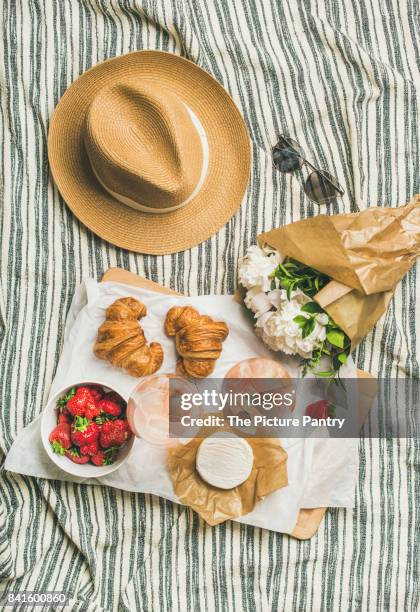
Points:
(149, 152)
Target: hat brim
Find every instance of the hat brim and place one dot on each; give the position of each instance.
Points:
(228, 168)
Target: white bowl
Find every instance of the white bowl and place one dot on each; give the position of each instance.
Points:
(85, 470)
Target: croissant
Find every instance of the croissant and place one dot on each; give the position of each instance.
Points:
(121, 339)
(198, 340)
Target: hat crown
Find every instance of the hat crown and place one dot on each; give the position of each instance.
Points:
(143, 145)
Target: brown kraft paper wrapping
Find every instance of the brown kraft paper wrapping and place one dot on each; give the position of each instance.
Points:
(214, 505)
(366, 254)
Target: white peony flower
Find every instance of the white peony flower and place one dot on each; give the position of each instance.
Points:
(322, 318)
(262, 319)
(277, 297)
(275, 313)
(257, 266)
(257, 301)
(281, 333)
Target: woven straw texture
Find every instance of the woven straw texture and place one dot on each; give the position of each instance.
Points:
(340, 77)
(228, 165)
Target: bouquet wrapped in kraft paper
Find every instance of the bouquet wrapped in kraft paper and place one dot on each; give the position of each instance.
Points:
(365, 254)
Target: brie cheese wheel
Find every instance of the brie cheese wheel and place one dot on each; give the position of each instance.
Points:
(223, 461)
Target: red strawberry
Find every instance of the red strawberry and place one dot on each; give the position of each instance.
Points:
(84, 432)
(109, 407)
(106, 457)
(62, 402)
(112, 396)
(321, 409)
(99, 458)
(83, 404)
(90, 449)
(74, 455)
(91, 413)
(60, 438)
(114, 433)
(64, 417)
(97, 392)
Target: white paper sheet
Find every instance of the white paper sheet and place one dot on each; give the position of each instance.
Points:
(320, 472)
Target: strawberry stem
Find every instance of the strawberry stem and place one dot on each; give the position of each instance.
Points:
(111, 449)
(81, 423)
(57, 447)
(62, 402)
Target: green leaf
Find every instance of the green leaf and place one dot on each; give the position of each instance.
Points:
(63, 401)
(303, 277)
(110, 459)
(342, 358)
(309, 327)
(331, 409)
(285, 282)
(285, 270)
(331, 326)
(336, 337)
(81, 423)
(300, 320)
(290, 266)
(57, 447)
(311, 307)
(327, 374)
(111, 455)
(111, 449)
(102, 418)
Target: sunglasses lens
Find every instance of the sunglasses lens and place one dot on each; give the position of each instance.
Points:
(287, 155)
(322, 187)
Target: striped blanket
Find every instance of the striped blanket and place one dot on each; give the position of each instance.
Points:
(340, 77)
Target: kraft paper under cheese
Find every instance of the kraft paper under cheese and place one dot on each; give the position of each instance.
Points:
(214, 505)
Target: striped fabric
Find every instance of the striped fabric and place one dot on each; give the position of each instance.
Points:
(342, 78)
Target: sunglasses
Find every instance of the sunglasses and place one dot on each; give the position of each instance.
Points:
(320, 186)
